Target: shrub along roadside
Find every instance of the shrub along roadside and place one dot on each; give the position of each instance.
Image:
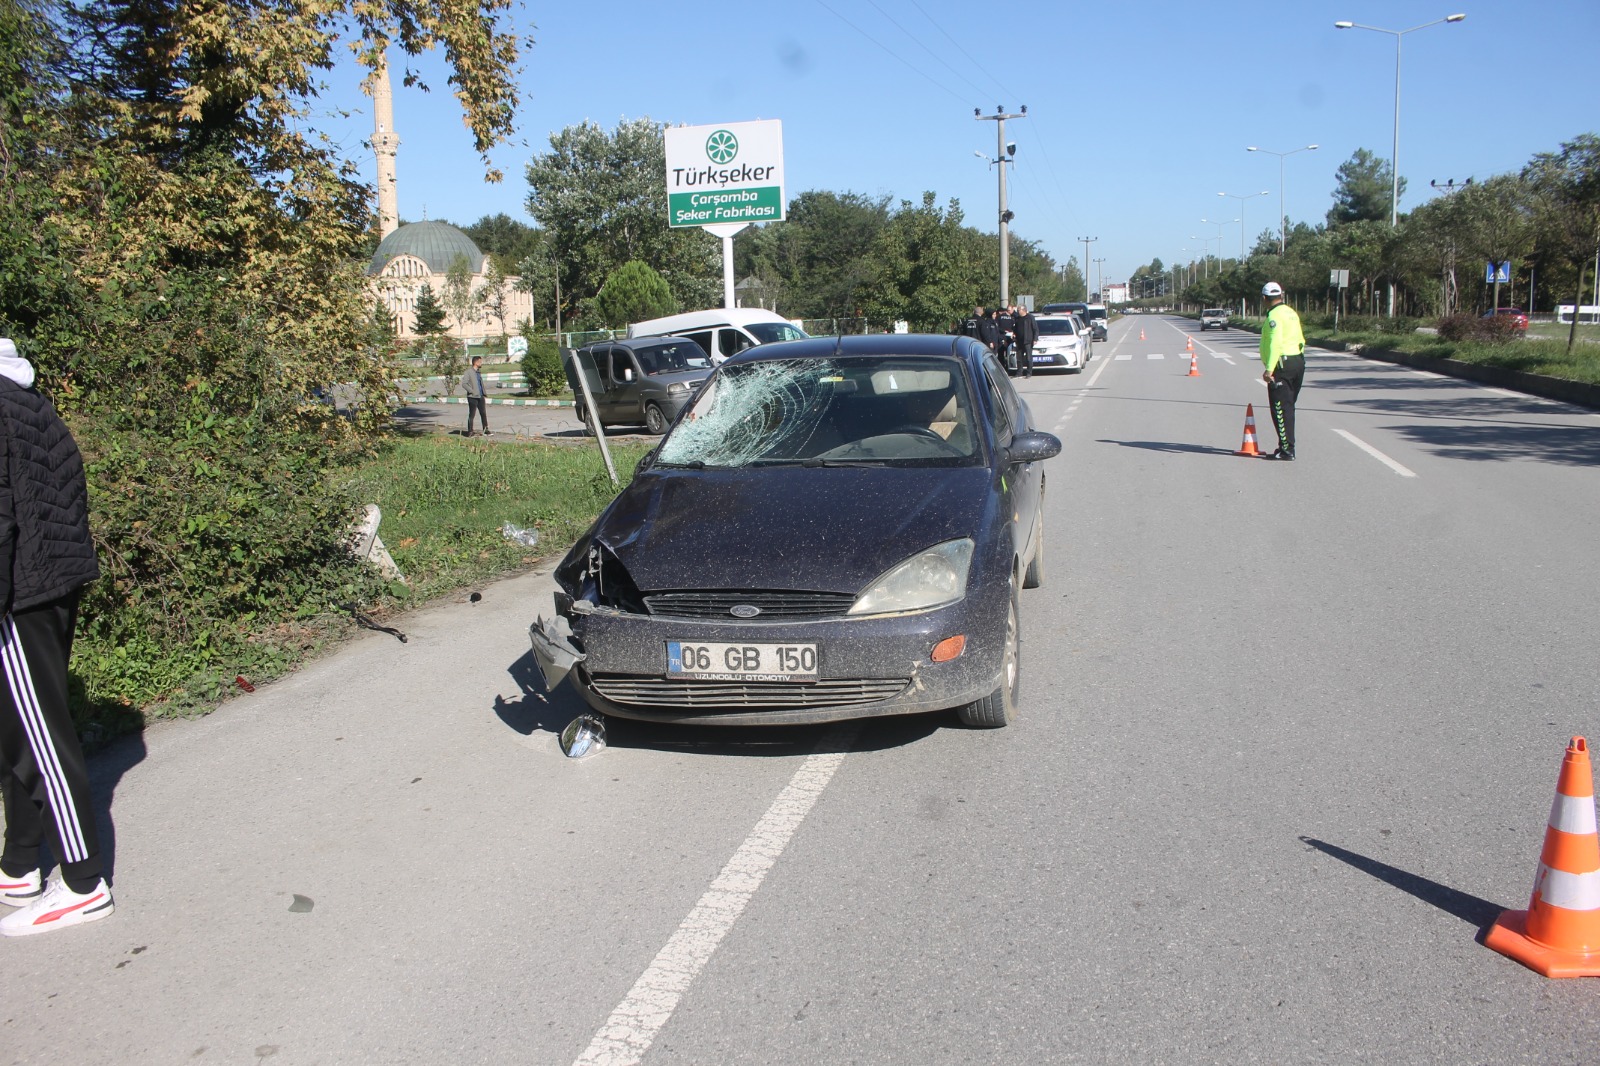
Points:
(443, 501)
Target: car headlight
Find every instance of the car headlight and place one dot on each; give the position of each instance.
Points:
(931, 578)
(676, 387)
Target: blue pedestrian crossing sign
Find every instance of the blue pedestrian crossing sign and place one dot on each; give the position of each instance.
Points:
(1497, 272)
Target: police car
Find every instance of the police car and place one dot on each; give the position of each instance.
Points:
(1064, 343)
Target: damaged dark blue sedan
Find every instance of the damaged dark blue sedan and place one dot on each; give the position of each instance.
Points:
(835, 528)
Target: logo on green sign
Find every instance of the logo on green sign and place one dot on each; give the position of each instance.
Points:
(721, 147)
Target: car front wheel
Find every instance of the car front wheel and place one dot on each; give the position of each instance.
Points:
(655, 420)
(999, 708)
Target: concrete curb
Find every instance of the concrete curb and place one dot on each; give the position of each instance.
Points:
(488, 400)
(1580, 393)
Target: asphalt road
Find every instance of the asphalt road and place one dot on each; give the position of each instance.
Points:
(1290, 734)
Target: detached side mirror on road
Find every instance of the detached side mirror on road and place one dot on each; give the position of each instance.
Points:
(1033, 447)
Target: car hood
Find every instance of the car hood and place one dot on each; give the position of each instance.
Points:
(829, 529)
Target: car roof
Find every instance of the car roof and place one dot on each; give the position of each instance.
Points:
(636, 343)
(907, 344)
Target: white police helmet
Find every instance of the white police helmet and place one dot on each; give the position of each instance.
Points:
(1272, 288)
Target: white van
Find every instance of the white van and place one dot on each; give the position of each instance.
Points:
(723, 332)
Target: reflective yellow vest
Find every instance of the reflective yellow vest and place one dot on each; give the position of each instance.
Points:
(1281, 336)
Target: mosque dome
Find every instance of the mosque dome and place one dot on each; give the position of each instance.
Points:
(436, 243)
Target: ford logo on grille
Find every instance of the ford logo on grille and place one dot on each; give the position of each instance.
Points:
(744, 610)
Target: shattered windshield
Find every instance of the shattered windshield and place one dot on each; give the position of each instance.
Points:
(770, 332)
(847, 411)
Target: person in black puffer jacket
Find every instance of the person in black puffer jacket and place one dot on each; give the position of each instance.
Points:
(46, 557)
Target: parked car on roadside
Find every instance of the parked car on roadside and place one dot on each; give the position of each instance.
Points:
(642, 381)
(1518, 316)
(835, 528)
(1098, 318)
(1213, 318)
(1064, 343)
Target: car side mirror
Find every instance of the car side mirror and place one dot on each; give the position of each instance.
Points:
(1033, 447)
(627, 373)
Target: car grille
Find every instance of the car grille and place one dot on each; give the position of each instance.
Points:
(775, 605)
(738, 695)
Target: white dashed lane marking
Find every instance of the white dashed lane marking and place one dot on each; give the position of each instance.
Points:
(1376, 454)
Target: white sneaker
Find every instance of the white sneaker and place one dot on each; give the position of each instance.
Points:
(58, 908)
(21, 891)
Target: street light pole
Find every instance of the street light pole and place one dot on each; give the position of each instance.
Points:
(1086, 242)
(1100, 278)
(1283, 226)
(1242, 199)
(1394, 160)
(1002, 158)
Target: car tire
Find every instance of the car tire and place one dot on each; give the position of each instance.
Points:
(655, 419)
(1034, 577)
(583, 420)
(999, 708)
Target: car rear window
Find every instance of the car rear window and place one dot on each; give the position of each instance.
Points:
(844, 410)
(1049, 326)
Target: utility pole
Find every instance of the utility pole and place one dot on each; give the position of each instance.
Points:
(1086, 242)
(1003, 156)
(1100, 278)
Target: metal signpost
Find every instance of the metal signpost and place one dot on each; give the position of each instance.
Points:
(724, 177)
(1338, 279)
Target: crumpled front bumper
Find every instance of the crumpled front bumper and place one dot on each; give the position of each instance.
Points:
(625, 650)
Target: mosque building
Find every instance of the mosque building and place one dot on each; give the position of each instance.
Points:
(421, 253)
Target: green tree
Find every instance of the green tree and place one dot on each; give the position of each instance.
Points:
(1363, 192)
(926, 267)
(1566, 204)
(430, 314)
(601, 202)
(821, 256)
(458, 299)
(504, 240)
(633, 293)
(494, 295)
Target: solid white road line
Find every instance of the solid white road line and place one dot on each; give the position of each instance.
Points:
(1376, 454)
(634, 1025)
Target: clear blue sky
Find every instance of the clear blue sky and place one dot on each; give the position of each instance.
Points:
(1138, 115)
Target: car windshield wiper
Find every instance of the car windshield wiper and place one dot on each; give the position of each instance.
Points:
(692, 464)
(844, 462)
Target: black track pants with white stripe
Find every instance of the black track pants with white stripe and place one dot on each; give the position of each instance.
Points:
(42, 769)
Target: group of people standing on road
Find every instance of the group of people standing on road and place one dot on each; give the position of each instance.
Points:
(1008, 332)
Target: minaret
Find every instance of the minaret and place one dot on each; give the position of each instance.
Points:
(384, 143)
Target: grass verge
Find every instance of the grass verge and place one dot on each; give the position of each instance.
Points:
(1529, 355)
(444, 501)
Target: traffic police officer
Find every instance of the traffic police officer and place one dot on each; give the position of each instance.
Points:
(1283, 346)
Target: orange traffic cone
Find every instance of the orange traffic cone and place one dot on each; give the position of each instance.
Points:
(1249, 445)
(1559, 934)
(1194, 363)
(1141, 334)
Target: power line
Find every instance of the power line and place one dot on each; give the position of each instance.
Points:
(981, 66)
(939, 58)
(1044, 153)
(889, 50)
